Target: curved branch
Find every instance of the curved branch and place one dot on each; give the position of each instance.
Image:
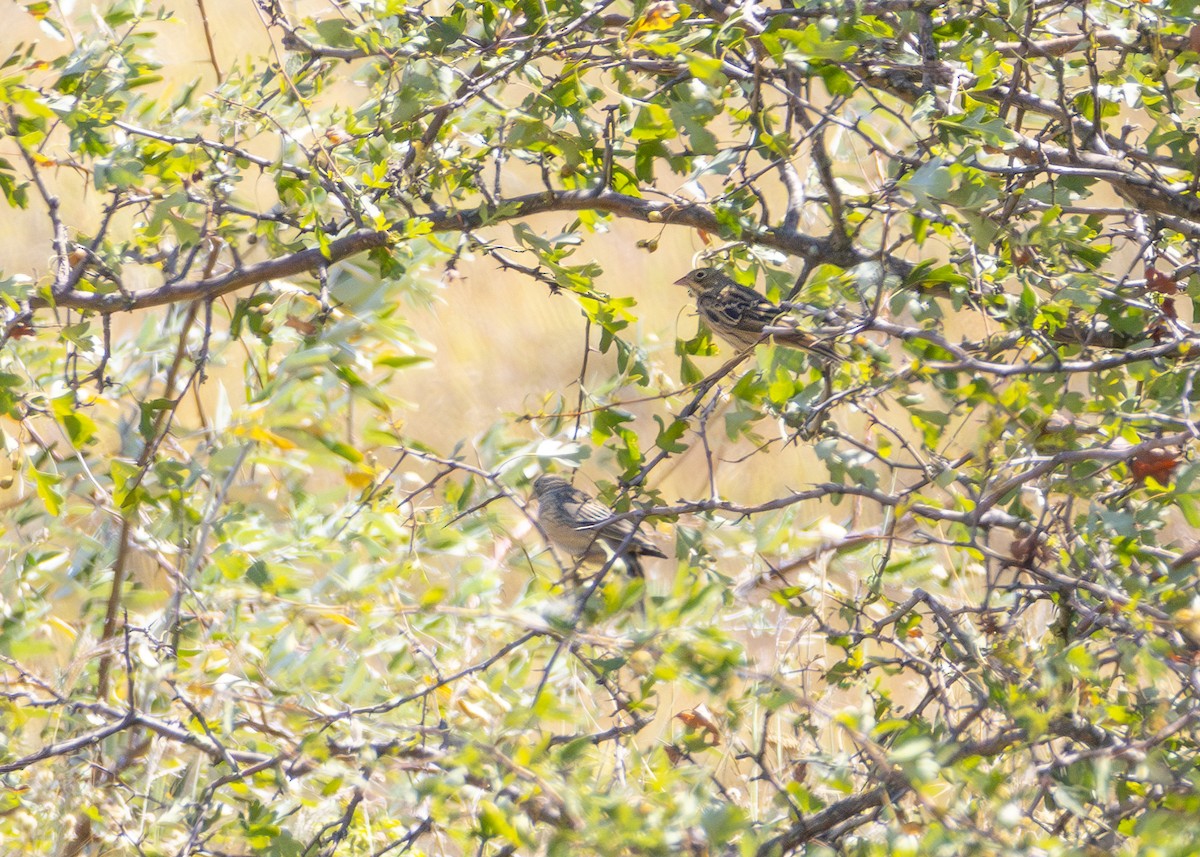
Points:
(673, 213)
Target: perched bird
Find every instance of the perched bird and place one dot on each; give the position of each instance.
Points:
(582, 527)
(743, 317)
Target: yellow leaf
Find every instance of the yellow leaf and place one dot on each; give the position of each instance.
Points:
(269, 437)
(658, 16)
(473, 710)
(335, 616)
(62, 627)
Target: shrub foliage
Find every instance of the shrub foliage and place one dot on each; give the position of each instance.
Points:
(246, 612)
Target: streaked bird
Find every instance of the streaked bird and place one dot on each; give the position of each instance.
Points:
(579, 525)
(743, 317)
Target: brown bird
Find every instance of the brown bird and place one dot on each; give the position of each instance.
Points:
(743, 317)
(582, 527)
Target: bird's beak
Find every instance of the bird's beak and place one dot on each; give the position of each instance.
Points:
(683, 281)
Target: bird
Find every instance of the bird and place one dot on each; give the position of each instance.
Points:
(574, 521)
(743, 317)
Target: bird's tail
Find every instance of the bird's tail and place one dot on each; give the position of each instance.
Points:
(807, 342)
(633, 565)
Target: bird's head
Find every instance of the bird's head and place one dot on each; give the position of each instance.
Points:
(700, 280)
(545, 484)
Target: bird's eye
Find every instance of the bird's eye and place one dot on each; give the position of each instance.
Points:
(700, 275)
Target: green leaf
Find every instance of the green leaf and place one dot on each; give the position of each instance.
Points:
(653, 123)
(493, 823)
(46, 485)
(123, 474)
(788, 45)
(668, 436)
(80, 428)
(980, 124)
(930, 184)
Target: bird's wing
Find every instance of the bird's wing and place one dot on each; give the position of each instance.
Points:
(758, 315)
(593, 516)
(745, 308)
(585, 512)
